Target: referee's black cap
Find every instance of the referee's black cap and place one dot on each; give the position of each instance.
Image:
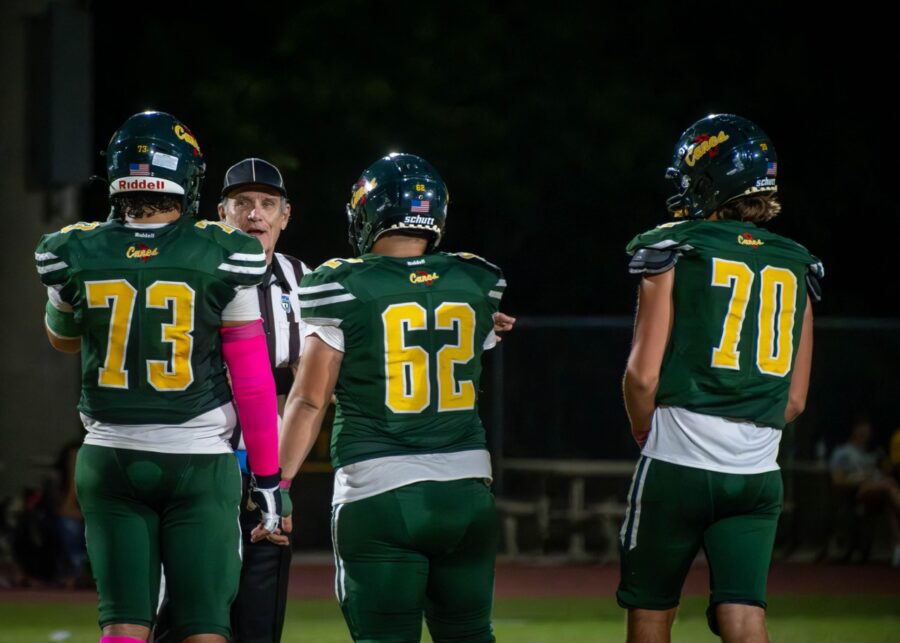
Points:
(253, 171)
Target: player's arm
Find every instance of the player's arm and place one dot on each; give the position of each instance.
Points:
(63, 344)
(307, 403)
(651, 334)
(802, 367)
(63, 332)
(253, 387)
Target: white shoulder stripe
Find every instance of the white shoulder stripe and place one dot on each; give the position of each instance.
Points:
(248, 270)
(501, 283)
(670, 243)
(243, 256)
(308, 290)
(326, 300)
(43, 256)
(42, 270)
(323, 321)
(495, 294)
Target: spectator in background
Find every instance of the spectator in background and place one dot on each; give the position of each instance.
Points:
(853, 465)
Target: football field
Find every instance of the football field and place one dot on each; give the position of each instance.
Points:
(797, 619)
(539, 603)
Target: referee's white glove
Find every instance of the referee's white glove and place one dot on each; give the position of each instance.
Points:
(265, 495)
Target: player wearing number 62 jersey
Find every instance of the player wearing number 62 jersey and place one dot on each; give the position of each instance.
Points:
(396, 316)
(719, 364)
(398, 333)
(158, 304)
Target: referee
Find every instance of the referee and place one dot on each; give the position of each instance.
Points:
(255, 200)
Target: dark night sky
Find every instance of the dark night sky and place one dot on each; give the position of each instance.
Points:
(552, 126)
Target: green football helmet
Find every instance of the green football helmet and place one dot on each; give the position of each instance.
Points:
(155, 152)
(397, 192)
(717, 159)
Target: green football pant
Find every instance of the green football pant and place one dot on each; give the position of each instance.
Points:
(675, 510)
(427, 547)
(143, 509)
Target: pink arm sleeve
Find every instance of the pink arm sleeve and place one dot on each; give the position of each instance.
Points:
(245, 353)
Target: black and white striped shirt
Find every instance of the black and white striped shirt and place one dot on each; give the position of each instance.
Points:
(280, 308)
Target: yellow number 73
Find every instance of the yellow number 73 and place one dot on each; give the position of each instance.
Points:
(120, 297)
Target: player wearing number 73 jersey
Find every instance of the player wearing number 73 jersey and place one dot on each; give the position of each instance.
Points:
(398, 334)
(719, 364)
(158, 303)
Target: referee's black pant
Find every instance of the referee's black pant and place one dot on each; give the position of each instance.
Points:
(257, 614)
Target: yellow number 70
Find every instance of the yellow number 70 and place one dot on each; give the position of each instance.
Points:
(777, 305)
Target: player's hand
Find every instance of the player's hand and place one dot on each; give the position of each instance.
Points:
(279, 537)
(640, 436)
(265, 494)
(502, 324)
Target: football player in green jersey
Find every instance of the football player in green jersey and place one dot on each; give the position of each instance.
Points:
(719, 364)
(398, 335)
(158, 303)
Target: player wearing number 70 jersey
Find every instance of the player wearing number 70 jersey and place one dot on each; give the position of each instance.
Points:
(398, 333)
(719, 364)
(158, 303)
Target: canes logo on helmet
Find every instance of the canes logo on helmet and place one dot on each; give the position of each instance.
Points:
(704, 144)
(166, 154)
(717, 159)
(397, 192)
(182, 133)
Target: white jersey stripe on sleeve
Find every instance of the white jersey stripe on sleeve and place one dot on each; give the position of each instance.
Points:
(326, 300)
(44, 256)
(309, 290)
(249, 270)
(495, 294)
(243, 256)
(42, 270)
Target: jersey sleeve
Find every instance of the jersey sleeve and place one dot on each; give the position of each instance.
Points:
(51, 259)
(657, 250)
(325, 299)
(488, 275)
(243, 262)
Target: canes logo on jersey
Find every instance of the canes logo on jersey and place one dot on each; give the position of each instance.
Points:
(422, 277)
(142, 252)
(746, 239)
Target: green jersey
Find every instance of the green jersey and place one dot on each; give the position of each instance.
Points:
(149, 301)
(739, 299)
(413, 331)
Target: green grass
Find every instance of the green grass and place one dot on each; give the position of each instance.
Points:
(797, 619)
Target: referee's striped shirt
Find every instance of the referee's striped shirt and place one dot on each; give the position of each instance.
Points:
(280, 308)
(279, 305)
